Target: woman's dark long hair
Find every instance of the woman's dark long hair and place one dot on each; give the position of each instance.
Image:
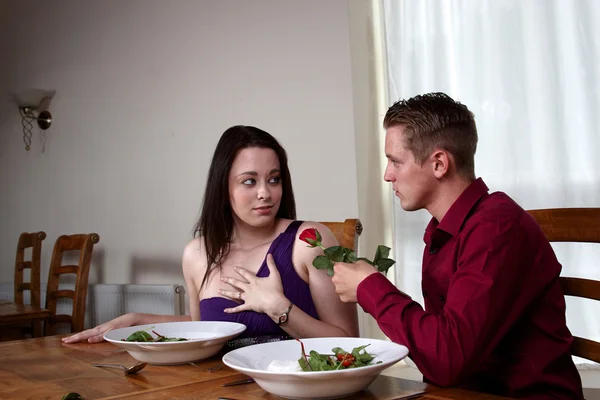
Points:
(215, 226)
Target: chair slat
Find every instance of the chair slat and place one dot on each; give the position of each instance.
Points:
(24, 286)
(569, 224)
(579, 287)
(59, 294)
(20, 266)
(67, 269)
(586, 348)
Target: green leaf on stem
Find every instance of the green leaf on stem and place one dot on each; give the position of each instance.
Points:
(322, 262)
(349, 256)
(335, 253)
(382, 252)
(140, 336)
(383, 264)
(304, 364)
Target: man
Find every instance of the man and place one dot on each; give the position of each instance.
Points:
(494, 318)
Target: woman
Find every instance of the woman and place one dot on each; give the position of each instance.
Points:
(246, 262)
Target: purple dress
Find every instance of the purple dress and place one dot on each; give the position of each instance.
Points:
(294, 288)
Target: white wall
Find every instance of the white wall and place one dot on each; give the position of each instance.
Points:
(144, 91)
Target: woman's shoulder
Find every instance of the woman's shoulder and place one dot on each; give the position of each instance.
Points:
(313, 224)
(305, 225)
(194, 255)
(328, 237)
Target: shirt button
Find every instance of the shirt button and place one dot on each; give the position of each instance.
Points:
(424, 294)
(442, 298)
(432, 250)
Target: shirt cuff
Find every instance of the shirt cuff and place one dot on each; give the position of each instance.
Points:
(371, 291)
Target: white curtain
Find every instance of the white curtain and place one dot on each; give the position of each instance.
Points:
(529, 71)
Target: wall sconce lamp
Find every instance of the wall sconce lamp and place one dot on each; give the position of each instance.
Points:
(30, 102)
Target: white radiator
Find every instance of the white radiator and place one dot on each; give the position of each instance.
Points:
(106, 301)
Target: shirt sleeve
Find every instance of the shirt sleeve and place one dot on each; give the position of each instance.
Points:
(492, 286)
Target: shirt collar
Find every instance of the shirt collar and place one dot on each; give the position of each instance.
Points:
(458, 212)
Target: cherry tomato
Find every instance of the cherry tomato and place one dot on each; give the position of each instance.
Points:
(347, 363)
(346, 359)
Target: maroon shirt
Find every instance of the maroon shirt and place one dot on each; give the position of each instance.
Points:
(494, 318)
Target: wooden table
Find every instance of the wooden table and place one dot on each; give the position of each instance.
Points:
(12, 313)
(45, 368)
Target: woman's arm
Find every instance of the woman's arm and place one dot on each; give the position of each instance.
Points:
(96, 335)
(191, 265)
(194, 268)
(336, 318)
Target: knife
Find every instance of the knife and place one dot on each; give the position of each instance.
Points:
(235, 383)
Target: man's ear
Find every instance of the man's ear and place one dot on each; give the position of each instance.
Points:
(440, 163)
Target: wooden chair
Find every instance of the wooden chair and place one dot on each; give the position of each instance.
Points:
(34, 242)
(574, 225)
(346, 232)
(85, 244)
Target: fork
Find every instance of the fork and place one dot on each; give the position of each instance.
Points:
(211, 369)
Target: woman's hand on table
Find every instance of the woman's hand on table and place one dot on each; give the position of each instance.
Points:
(96, 335)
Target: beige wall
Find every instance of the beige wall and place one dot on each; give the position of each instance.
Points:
(144, 90)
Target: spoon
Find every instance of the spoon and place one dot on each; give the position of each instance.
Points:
(127, 371)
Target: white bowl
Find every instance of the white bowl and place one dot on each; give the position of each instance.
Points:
(253, 361)
(206, 338)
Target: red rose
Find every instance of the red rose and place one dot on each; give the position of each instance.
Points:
(311, 236)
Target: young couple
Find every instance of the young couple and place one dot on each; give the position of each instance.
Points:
(494, 316)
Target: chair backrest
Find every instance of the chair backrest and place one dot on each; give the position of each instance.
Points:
(85, 244)
(346, 232)
(574, 225)
(33, 241)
